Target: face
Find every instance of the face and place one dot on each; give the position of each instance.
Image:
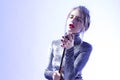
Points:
(75, 22)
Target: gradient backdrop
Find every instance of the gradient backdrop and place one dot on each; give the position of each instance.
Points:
(27, 27)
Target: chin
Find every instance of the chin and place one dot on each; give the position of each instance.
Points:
(70, 31)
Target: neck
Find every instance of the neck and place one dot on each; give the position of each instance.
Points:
(77, 39)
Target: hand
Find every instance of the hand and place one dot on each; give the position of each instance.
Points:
(68, 41)
(56, 75)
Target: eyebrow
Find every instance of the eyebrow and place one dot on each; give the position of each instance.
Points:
(77, 16)
(80, 17)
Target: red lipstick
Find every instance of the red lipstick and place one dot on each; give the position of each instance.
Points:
(71, 26)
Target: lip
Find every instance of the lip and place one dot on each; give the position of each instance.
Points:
(71, 26)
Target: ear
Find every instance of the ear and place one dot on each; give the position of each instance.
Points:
(87, 23)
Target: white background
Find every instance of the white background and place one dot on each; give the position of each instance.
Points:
(27, 27)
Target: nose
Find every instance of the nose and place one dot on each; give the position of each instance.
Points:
(73, 20)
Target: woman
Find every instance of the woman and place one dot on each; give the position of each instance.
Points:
(77, 52)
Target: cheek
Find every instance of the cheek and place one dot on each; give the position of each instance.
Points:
(79, 27)
(67, 23)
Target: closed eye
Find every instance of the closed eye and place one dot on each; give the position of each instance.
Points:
(79, 19)
(71, 16)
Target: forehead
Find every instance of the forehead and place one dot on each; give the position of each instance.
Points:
(77, 13)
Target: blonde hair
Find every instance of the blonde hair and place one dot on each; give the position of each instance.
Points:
(86, 15)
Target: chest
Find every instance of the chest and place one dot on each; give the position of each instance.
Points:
(58, 52)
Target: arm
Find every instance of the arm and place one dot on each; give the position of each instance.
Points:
(74, 65)
(49, 71)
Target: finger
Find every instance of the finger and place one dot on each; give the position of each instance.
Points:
(65, 37)
(70, 36)
(64, 41)
(63, 45)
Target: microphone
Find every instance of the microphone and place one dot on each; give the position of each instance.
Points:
(66, 36)
(60, 69)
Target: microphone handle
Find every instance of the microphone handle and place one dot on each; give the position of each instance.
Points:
(60, 69)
